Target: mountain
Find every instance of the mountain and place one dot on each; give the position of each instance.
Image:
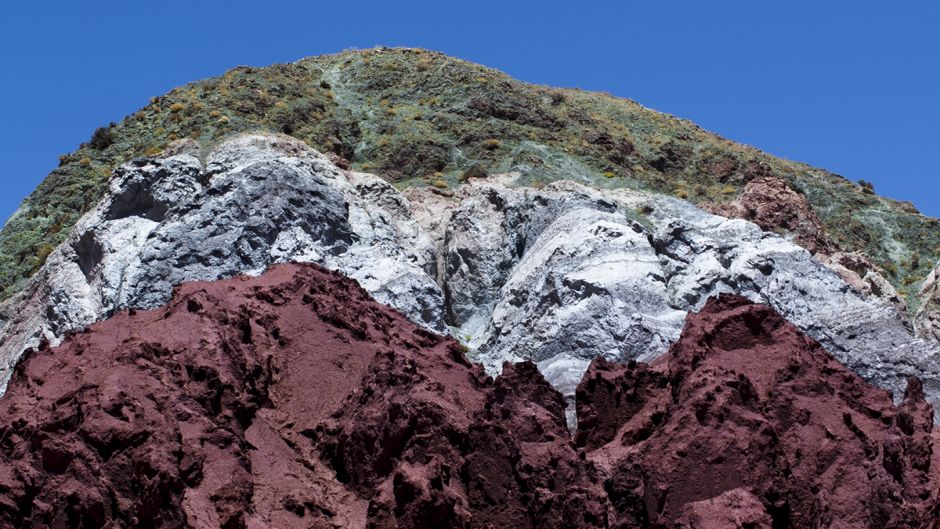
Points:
(389, 288)
(293, 400)
(417, 117)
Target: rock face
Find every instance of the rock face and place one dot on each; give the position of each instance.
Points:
(558, 275)
(257, 200)
(865, 277)
(289, 400)
(774, 206)
(567, 273)
(927, 320)
(293, 400)
(748, 423)
(771, 204)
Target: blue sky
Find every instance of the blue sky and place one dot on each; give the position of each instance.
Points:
(852, 86)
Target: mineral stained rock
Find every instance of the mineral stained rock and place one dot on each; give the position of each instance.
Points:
(774, 206)
(749, 423)
(567, 273)
(293, 400)
(256, 201)
(771, 204)
(558, 275)
(289, 400)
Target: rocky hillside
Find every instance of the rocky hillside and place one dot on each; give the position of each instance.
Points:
(559, 274)
(420, 118)
(303, 403)
(391, 289)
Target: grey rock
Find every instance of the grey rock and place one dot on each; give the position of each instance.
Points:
(558, 275)
(866, 277)
(927, 319)
(258, 200)
(567, 273)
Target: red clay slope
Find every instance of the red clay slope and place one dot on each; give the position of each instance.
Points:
(292, 400)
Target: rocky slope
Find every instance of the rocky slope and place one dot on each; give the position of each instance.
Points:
(927, 321)
(291, 399)
(419, 117)
(257, 200)
(558, 275)
(749, 423)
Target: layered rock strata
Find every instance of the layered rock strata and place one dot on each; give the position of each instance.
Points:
(558, 275)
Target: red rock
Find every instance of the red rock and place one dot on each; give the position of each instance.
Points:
(771, 204)
(292, 400)
(734, 509)
(287, 400)
(745, 402)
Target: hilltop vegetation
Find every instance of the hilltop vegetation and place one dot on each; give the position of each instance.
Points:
(422, 118)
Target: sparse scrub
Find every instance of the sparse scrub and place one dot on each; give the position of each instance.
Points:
(453, 110)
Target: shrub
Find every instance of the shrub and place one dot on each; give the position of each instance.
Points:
(177, 107)
(609, 174)
(682, 193)
(728, 190)
(891, 269)
(423, 64)
(867, 187)
(102, 138)
(43, 253)
(491, 144)
(85, 162)
(440, 184)
(474, 171)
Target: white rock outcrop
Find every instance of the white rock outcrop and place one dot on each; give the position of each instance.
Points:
(613, 273)
(257, 200)
(927, 319)
(557, 275)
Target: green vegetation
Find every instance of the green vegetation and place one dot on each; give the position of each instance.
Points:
(421, 118)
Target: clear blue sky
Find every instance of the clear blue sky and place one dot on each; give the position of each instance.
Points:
(852, 86)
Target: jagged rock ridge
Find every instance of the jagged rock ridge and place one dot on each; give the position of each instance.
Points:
(289, 400)
(293, 400)
(749, 423)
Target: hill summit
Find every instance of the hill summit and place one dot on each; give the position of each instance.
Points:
(421, 118)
